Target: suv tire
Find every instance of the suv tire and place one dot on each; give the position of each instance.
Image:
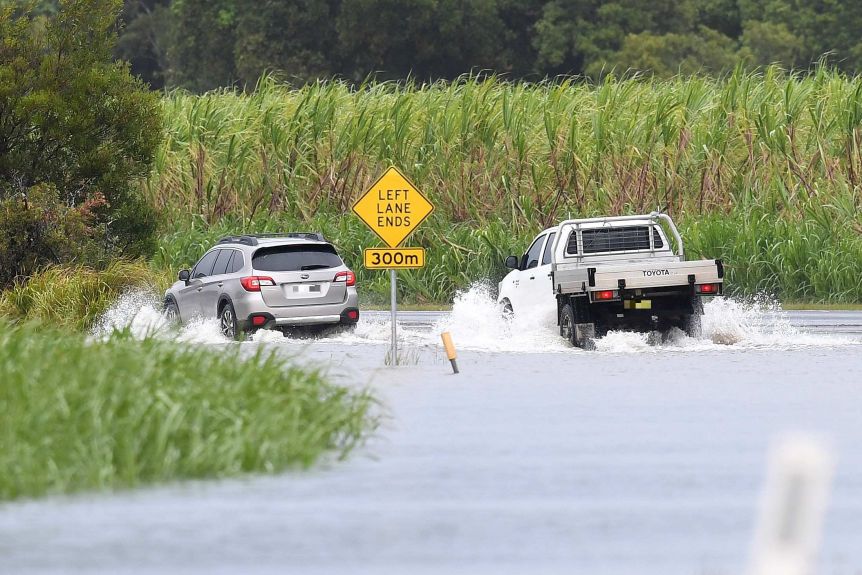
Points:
(171, 311)
(227, 321)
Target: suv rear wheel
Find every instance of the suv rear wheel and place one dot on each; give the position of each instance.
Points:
(227, 321)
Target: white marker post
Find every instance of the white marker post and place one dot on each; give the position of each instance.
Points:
(792, 508)
(393, 276)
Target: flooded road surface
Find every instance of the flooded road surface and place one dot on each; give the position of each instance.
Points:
(537, 458)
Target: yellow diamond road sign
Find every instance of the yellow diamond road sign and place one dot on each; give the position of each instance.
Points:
(393, 207)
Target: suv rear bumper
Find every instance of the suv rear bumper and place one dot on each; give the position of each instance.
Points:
(252, 305)
(349, 316)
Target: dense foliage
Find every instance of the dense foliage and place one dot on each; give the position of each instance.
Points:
(76, 132)
(121, 412)
(501, 160)
(205, 44)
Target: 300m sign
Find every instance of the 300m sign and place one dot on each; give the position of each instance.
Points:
(394, 258)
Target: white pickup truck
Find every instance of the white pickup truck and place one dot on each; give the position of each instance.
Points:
(611, 273)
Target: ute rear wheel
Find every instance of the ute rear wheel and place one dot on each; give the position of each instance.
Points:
(227, 321)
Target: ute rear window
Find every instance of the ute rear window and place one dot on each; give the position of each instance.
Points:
(295, 258)
(618, 239)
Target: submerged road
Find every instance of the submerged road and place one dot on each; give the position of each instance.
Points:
(535, 459)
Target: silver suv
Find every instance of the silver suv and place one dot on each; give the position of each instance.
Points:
(267, 281)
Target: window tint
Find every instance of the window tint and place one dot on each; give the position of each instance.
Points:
(656, 239)
(531, 258)
(205, 266)
(546, 257)
(237, 262)
(572, 244)
(295, 258)
(618, 239)
(223, 259)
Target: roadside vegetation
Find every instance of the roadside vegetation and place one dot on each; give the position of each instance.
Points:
(759, 168)
(78, 132)
(123, 412)
(75, 297)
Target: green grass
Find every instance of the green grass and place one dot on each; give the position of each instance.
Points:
(779, 155)
(796, 305)
(814, 259)
(74, 297)
(81, 415)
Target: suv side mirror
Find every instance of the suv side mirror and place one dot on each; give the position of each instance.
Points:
(512, 262)
(184, 276)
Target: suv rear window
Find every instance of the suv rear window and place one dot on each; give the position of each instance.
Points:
(295, 258)
(619, 239)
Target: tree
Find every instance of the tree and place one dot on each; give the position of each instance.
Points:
(76, 133)
(293, 38)
(519, 19)
(765, 43)
(813, 27)
(665, 55)
(720, 15)
(144, 40)
(201, 56)
(581, 36)
(428, 39)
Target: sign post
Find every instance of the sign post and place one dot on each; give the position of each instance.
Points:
(393, 207)
(393, 280)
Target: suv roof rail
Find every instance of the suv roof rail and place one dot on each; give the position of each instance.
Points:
(317, 236)
(252, 239)
(247, 240)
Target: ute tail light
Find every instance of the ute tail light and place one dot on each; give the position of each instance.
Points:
(605, 295)
(711, 289)
(348, 277)
(254, 283)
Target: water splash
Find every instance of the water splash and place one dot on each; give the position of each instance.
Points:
(476, 323)
(748, 323)
(138, 312)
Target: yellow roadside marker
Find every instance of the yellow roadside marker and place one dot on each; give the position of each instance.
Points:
(450, 350)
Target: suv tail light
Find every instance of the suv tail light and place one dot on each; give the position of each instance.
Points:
(254, 283)
(708, 288)
(348, 277)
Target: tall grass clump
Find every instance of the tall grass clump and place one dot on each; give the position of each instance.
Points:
(802, 261)
(81, 415)
(495, 155)
(74, 297)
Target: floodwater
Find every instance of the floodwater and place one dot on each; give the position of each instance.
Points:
(537, 458)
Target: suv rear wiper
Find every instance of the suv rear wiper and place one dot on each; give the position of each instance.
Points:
(313, 267)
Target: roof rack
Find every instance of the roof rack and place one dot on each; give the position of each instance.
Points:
(252, 239)
(247, 240)
(317, 236)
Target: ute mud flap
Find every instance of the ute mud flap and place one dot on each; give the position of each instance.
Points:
(585, 336)
(583, 330)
